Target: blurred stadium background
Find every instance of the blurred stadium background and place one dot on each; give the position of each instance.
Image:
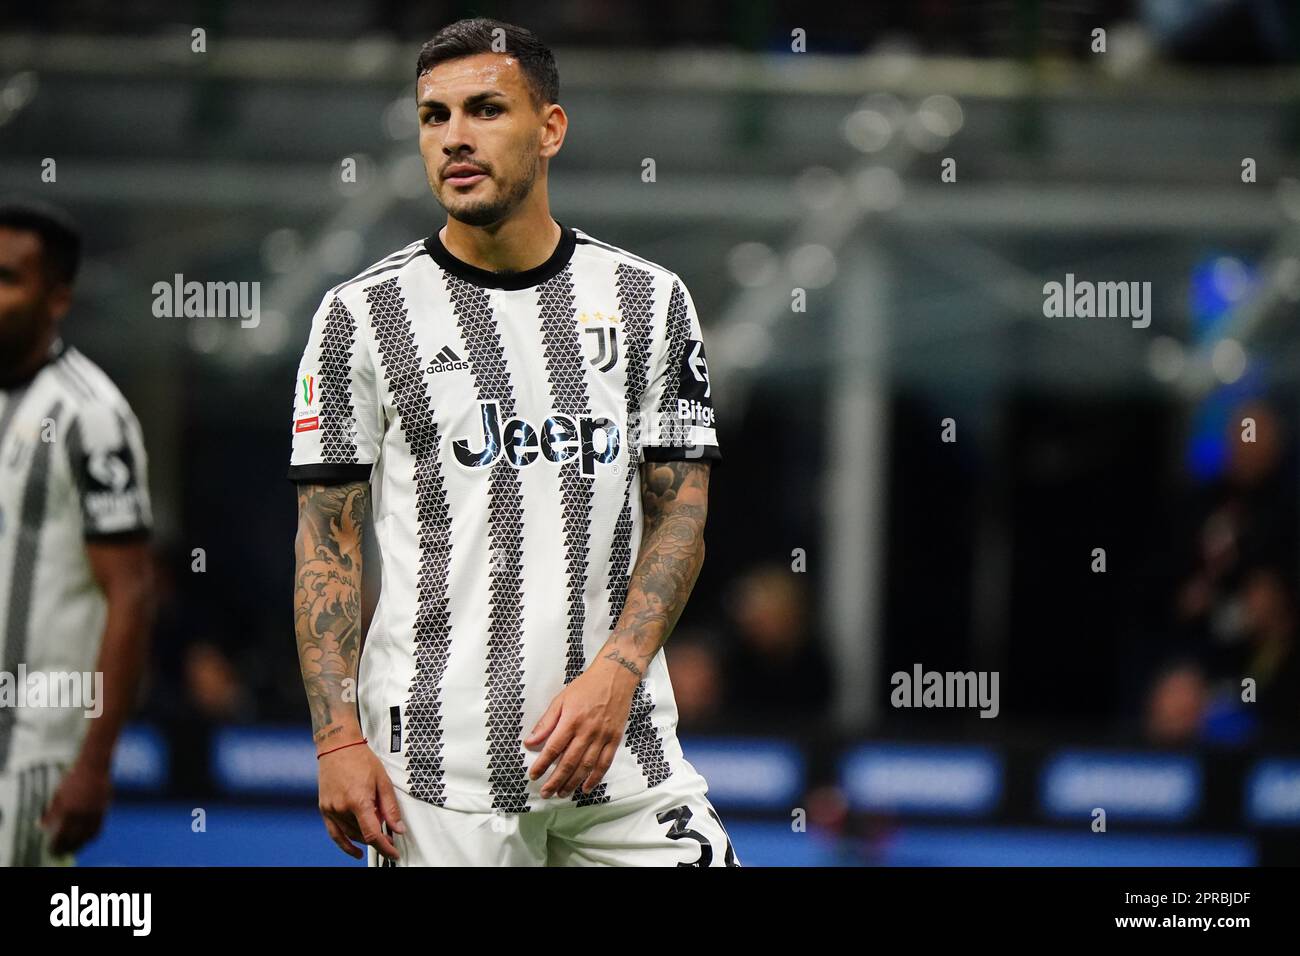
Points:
(775, 170)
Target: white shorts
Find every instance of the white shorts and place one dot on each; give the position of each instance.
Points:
(672, 824)
(24, 795)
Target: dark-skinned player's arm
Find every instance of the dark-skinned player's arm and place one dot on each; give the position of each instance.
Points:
(123, 570)
(356, 795)
(585, 723)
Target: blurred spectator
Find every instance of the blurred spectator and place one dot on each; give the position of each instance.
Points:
(1248, 513)
(775, 671)
(1235, 609)
(192, 675)
(1200, 697)
(1272, 658)
(215, 689)
(694, 668)
(1177, 704)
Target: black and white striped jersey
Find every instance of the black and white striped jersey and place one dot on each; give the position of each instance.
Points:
(501, 420)
(72, 468)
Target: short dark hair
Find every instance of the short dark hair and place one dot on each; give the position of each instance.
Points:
(470, 37)
(59, 235)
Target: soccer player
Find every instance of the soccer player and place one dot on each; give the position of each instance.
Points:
(74, 555)
(528, 412)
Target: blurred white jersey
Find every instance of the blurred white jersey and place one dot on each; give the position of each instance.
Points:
(501, 420)
(72, 468)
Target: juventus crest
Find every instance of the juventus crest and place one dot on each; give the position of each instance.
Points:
(603, 352)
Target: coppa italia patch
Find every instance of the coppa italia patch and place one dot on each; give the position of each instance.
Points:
(308, 423)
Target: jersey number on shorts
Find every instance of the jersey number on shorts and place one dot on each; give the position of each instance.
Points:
(681, 816)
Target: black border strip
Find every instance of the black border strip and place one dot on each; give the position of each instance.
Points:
(681, 453)
(325, 473)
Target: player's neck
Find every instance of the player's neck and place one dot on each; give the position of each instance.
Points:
(45, 349)
(522, 242)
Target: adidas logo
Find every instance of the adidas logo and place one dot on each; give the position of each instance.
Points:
(445, 361)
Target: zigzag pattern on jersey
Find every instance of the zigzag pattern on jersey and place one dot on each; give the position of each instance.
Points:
(338, 339)
(670, 428)
(636, 306)
(403, 370)
(505, 664)
(566, 369)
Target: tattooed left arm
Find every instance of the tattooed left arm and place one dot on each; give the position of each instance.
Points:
(582, 727)
(675, 500)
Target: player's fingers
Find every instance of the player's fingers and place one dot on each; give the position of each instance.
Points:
(60, 836)
(342, 842)
(603, 763)
(346, 821)
(586, 766)
(373, 834)
(546, 724)
(53, 811)
(75, 831)
(389, 809)
(556, 744)
(565, 775)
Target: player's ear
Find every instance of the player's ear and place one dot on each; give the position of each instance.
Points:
(555, 123)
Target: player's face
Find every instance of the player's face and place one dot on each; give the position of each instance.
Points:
(480, 136)
(29, 303)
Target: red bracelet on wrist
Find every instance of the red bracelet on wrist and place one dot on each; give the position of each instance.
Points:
(363, 740)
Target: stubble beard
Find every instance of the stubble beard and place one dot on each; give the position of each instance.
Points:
(488, 211)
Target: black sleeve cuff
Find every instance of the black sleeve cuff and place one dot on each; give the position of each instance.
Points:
(118, 537)
(681, 453)
(327, 474)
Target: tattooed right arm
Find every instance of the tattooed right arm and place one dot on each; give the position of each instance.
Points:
(327, 604)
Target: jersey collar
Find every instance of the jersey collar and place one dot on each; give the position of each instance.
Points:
(506, 280)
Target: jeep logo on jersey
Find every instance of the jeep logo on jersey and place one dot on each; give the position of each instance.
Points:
(595, 441)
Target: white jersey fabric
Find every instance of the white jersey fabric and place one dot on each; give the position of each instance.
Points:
(670, 824)
(501, 420)
(72, 469)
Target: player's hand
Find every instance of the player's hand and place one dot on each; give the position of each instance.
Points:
(355, 797)
(582, 728)
(76, 811)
